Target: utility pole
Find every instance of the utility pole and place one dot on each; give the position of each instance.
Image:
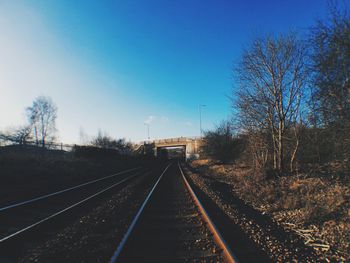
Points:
(200, 119)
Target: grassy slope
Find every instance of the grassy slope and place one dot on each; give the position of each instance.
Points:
(316, 207)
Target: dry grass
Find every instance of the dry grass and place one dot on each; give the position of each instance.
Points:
(304, 201)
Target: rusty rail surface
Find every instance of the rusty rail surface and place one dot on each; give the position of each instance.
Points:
(172, 226)
(227, 253)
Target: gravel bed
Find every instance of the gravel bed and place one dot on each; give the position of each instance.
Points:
(157, 236)
(279, 245)
(94, 236)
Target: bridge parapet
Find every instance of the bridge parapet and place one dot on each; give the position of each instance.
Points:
(178, 139)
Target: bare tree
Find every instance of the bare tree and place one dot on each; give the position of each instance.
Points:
(42, 117)
(330, 57)
(20, 135)
(330, 41)
(221, 144)
(103, 140)
(272, 75)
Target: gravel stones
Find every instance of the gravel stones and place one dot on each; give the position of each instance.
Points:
(281, 246)
(94, 236)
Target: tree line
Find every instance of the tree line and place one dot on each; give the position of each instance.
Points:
(40, 130)
(40, 127)
(291, 100)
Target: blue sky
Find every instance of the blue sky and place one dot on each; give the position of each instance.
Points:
(113, 65)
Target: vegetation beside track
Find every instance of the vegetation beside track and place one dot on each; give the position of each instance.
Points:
(313, 207)
(31, 171)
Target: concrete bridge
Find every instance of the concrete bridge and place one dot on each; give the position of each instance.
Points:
(188, 146)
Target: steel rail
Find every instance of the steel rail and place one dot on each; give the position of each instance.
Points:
(227, 253)
(65, 190)
(67, 208)
(134, 221)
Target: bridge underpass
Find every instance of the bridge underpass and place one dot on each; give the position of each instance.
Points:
(171, 152)
(190, 147)
(182, 147)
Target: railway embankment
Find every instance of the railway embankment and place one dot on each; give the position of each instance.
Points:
(30, 172)
(304, 218)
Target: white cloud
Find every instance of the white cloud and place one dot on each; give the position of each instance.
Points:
(150, 119)
(188, 124)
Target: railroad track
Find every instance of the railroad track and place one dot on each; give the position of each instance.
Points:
(41, 214)
(35, 199)
(172, 226)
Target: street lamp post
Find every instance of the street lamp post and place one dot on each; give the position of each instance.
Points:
(200, 118)
(147, 124)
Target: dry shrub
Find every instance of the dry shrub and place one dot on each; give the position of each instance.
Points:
(255, 188)
(304, 200)
(291, 202)
(219, 169)
(331, 203)
(318, 199)
(200, 162)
